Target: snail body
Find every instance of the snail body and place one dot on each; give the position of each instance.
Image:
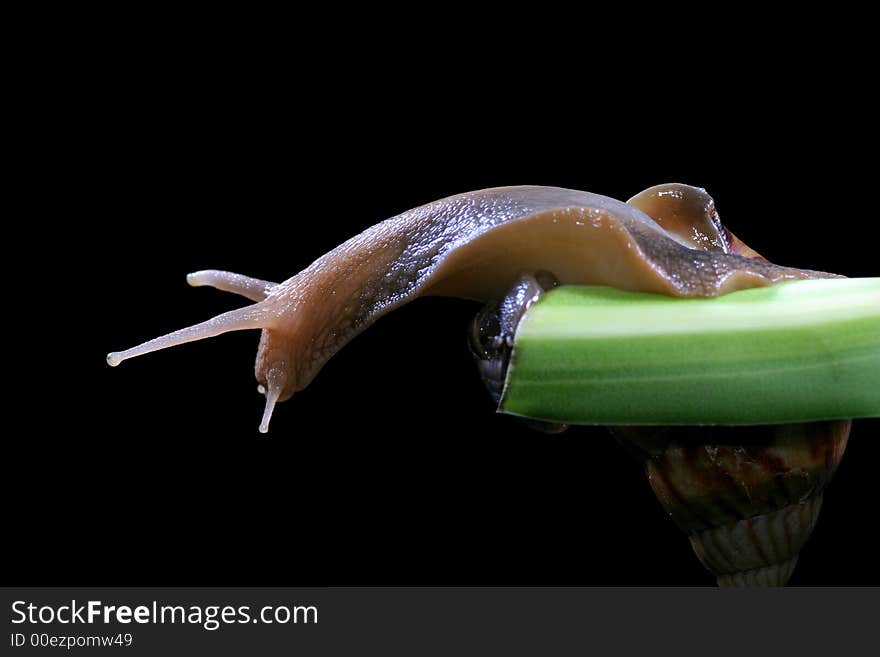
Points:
(474, 246)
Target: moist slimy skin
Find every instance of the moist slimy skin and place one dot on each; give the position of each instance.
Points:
(667, 240)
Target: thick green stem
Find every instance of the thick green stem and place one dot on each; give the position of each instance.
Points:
(792, 352)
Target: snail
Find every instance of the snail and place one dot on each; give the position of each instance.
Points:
(475, 246)
(748, 496)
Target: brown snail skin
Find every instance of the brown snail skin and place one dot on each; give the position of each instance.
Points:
(748, 496)
(475, 246)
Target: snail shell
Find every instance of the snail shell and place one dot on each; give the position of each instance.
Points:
(748, 497)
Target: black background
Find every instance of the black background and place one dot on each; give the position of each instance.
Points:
(242, 150)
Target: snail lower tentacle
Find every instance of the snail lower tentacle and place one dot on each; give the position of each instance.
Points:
(254, 289)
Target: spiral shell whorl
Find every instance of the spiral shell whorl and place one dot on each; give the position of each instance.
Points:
(775, 575)
(758, 551)
(749, 497)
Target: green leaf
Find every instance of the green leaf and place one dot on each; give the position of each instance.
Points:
(792, 352)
